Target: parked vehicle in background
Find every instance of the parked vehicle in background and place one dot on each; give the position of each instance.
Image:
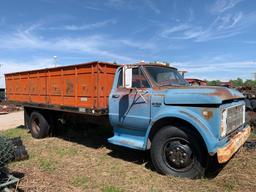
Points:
(196, 82)
(250, 94)
(149, 106)
(250, 100)
(225, 84)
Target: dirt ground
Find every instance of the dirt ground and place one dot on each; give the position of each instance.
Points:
(84, 161)
(11, 120)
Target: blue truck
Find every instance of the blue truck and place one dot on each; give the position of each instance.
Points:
(151, 107)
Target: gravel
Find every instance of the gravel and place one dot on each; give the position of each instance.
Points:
(11, 120)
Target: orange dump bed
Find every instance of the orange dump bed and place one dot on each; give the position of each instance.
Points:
(83, 86)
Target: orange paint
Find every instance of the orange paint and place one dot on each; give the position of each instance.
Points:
(85, 85)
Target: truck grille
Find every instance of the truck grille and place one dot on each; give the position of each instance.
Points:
(235, 117)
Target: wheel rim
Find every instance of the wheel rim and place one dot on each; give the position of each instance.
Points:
(178, 155)
(36, 125)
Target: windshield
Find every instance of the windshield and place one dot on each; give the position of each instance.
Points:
(165, 76)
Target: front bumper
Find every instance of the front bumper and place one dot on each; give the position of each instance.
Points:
(225, 153)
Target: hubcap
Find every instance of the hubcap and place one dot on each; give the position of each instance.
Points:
(178, 154)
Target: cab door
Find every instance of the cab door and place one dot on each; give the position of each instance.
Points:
(130, 108)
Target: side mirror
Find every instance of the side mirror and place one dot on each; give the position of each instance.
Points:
(127, 77)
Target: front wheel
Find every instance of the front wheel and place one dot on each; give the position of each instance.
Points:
(177, 152)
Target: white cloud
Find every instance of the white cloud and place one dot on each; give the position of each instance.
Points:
(222, 26)
(10, 66)
(91, 45)
(137, 44)
(119, 4)
(152, 6)
(93, 8)
(217, 68)
(85, 26)
(250, 42)
(133, 5)
(221, 6)
(227, 21)
(178, 28)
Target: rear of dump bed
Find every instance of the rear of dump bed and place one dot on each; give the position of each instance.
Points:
(79, 88)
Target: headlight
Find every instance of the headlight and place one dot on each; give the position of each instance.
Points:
(223, 130)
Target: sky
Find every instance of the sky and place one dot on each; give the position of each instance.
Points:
(211, 39)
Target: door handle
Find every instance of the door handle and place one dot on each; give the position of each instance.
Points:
(115, 96)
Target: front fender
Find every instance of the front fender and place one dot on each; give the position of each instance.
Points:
(192, 118)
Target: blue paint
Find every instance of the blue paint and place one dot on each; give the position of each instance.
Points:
(197, 95)
(128, 138)
(132, 118)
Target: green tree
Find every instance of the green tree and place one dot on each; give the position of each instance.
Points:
(213, 83)
(236, 83)
(250, 83)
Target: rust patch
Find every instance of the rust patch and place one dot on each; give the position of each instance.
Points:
(224, 94)
(56, 90)
(207, 113)
(225, 153)
(69, 87)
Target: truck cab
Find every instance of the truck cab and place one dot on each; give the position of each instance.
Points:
(152, 107)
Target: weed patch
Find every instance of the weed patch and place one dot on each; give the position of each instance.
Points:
(46, 165)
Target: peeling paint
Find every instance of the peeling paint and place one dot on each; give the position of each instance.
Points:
(225, 153)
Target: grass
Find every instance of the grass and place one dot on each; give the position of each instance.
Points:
(80, 181)
(66, 152)
(111, 189)
(88, 163)
(253, 134)
(46, 165)
(229, 186)
(17, 132)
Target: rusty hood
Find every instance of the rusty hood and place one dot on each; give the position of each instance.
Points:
(200, 95)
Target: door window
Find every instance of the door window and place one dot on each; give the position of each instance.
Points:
(138, 79)
(120, 79)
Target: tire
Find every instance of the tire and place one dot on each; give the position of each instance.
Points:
(213, 167)
(178, 152)
(38, 126)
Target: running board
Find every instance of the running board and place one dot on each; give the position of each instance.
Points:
(128, 141)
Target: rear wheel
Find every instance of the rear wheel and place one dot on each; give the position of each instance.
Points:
(38, 125)
(177, 152)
